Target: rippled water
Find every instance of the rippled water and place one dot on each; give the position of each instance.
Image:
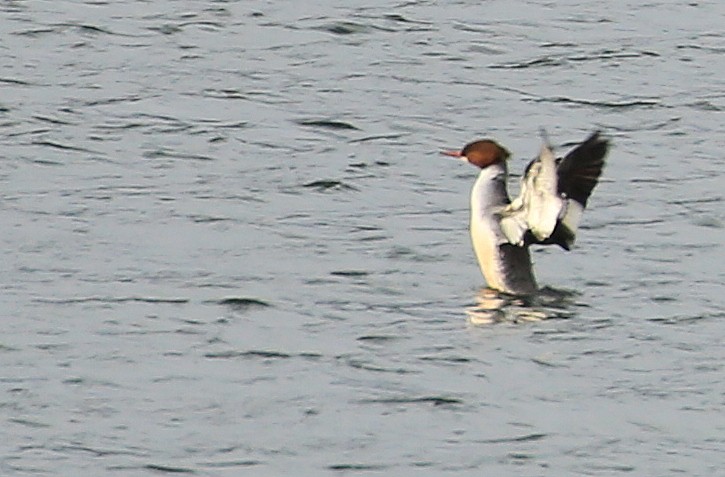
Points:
(230, 246)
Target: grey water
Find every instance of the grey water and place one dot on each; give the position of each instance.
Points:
(230, 246)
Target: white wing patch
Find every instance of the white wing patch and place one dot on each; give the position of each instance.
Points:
(538, 206)
(573, 216)
(514, 226)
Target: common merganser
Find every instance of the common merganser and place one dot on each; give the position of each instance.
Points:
(554, 193)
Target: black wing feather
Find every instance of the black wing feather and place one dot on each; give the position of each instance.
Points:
(579, 171)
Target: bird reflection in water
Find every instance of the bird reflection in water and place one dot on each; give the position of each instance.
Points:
(496, 307)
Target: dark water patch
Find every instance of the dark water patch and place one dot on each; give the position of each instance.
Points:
(319, 281)
(85, 28)
(158, 118)
(378, 338)
(626, 222)
(519, 456)
(47, 119)
(51, 347)
(166, 29)
(349, 28)
(651, 180)
(434, 400)
(260, 354)
(249, 354)
(179, 127)
(165, 469)
(710, 222)
(32, 132)
(91, 299)
(202, 23)
(645, 126)
(327, 124)
(231, 463)
(208, 219)
(665, 299)
(704, 106)
(35, 32)
(633, 104)
(349, 273)
(164, 153)
(114, 100)
(377, 137)
(295, 216)
(709, 49)
(82, 28)
(549, 60)
(94, 451)
(230, 125)
(508, 440)
(324, 185)
(562, 44)
(472, 28)
(613, 54)
(686, 319)
(395, 17)
(46, 162)
(265, 97)
(535, 63)
(367, 366)
(120, 126)
(400, 252)
(29, 423)
(595, 284)
(481, 49)
(243, 304)
(373, 238)
(130, 190)
(64, 147)
(16, 82)
(366, 228)
(615, 468)
(357, 467)
(551, 295)
(544, 363)
(446, 359)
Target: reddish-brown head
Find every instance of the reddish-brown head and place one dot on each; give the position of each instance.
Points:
(481, 153)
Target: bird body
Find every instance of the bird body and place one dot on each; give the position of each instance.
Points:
(554, 193)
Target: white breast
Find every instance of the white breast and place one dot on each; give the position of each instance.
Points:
(505, 267)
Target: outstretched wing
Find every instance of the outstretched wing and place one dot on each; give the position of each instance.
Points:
(554, 194)
(578, 173)
(539, 206)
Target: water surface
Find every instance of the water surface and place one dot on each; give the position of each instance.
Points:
(231, 248)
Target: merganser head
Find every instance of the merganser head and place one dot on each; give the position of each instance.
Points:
(481, 153)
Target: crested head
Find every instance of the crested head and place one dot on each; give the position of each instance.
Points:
(482, 153)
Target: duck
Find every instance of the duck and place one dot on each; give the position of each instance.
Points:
(548, 210)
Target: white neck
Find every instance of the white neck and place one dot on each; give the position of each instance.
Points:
(506, 267)
(489, 190)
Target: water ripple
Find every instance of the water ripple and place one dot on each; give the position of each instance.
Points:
(230, 244)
